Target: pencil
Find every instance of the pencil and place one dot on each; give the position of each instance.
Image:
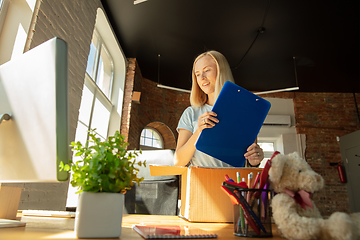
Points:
(242, 224)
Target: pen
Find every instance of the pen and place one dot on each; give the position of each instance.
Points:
(239, 185)
(227, 178)
(233, 199)
(265, 173)
(264, 202)
(247, 213)
(263, 178)
(254, 185)
(256, 181)
(244, 195)
(250, 175)
(250, 216)
(237, 199)
(242, 223)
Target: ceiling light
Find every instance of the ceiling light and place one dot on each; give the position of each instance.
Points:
(139, 1)
(278, 90)
(173, 88)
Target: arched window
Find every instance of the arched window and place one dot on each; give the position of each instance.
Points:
(150, 138)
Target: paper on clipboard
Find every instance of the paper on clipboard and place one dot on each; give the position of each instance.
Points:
(241, 115)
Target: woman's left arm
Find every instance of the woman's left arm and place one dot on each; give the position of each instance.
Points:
(254, 154)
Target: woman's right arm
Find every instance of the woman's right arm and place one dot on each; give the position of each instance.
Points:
(185, 147)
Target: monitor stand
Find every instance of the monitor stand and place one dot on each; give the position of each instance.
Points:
(6, 223)
(9, 204)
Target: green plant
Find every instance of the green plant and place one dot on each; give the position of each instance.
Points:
(105, 166)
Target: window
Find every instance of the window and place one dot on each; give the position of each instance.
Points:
(100, 65)
(3, 9)
(269, 147)
(95, 106)
(151, 138)
(102, 97)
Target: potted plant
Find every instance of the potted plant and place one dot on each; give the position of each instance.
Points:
(103, 173)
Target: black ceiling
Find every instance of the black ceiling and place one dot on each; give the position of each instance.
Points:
(322, 35)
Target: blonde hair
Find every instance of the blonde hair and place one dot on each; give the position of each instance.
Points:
(197, 97)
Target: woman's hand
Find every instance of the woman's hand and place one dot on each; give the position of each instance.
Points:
(254, 154)
(207, 120)
(185, 147)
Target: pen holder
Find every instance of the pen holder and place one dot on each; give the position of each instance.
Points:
(252, 218)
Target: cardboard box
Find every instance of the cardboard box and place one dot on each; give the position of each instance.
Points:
(202, 199)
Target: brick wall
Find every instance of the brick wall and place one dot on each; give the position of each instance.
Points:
(166, 134)
(322, 117)
(74, 22)
(129, 88)
(159, 108)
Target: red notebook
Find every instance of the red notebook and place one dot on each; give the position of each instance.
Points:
(171, 232)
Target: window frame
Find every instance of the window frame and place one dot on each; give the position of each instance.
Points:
(161, 139)
(97, 95)
(116, 99)
(4, 5)
(101, 46)
(267, 154)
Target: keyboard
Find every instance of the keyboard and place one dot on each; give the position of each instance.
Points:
(48, 213)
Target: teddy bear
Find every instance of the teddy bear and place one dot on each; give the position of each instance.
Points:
(294, 213)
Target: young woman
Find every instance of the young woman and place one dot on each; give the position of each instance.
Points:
(210, 71)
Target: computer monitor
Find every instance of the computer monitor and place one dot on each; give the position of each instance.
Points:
(34, 129)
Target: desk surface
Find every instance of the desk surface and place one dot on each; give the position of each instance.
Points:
(65, 231)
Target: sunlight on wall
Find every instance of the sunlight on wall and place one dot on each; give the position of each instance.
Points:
(31, 4)
(16, 25)
(120, 101)
(20, 41)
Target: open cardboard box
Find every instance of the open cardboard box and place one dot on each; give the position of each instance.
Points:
(202, 199)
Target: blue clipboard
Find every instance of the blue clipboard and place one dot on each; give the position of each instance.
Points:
(241, 115)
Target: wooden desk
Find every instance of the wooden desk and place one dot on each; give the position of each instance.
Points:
(66, 230)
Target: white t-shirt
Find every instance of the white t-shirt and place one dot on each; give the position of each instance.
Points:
(188, 121)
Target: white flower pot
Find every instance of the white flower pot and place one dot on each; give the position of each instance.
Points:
(99, 215)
